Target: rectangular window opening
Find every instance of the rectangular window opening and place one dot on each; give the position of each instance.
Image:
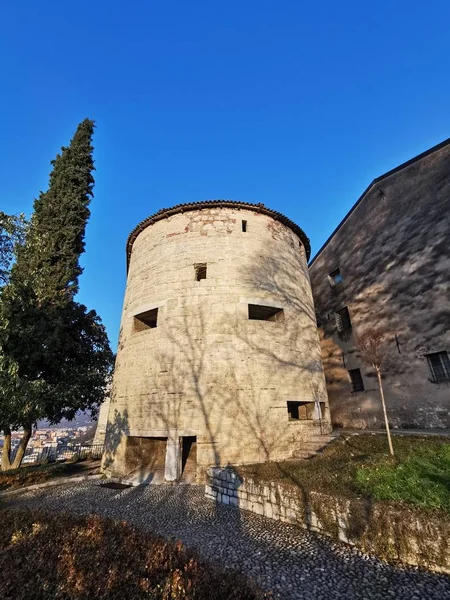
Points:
(335, 277)
(357, 380)
(244, 226)
(343, 322)
(303, 411)
(439, 364)
(200, 271)
(146, 320)
(265, 313)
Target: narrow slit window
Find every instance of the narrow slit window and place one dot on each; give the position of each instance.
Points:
(439, 364)
(200, 271)
(146, 320)
(265, 313)
(357, 380)
(244, 226)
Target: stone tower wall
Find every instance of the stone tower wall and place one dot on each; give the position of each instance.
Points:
(206, 369)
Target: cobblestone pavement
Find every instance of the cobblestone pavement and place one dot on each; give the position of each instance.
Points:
(292, 562)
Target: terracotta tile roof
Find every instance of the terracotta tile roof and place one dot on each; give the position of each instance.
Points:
(180, 208)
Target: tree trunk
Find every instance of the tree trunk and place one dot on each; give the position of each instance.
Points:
(388, 431)
(6, 455)
(22, 447)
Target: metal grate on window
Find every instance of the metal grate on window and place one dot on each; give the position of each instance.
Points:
(356, 379)
(439, 364)
(343, 322)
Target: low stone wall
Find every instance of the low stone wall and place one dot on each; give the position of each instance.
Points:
(413, 536)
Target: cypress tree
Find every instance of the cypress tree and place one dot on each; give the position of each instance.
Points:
(54, 354)
(49, 261)
(12, 228)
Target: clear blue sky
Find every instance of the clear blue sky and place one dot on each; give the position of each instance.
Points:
(298, 105)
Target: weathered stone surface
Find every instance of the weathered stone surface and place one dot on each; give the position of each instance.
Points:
(206, 369)
(102, 422)
(173, 460)
(423, 543)
(393, 253)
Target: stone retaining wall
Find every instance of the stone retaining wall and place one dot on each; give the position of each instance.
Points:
(413, 536)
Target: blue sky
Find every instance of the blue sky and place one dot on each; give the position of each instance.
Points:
(297, 105)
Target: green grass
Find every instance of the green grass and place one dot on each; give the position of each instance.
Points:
(31, 475)
(356, 466)
(422, 479)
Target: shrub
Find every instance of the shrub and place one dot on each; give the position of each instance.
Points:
(36, 474)
(81, 558)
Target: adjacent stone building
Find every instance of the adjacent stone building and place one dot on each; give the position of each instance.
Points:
(219, 358)
(387, 265)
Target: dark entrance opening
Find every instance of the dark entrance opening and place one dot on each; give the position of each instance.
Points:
(305, 411)
(189, 457)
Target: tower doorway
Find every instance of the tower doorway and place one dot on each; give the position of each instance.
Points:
(189, 459)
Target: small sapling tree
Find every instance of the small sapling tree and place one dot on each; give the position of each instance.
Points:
(374, 350)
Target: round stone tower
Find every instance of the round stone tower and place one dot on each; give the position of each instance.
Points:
(219, 359)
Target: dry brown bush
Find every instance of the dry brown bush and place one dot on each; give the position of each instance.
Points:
(46, 556)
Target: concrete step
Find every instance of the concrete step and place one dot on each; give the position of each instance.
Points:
(305, 454)
(313, 446)
(322, 438)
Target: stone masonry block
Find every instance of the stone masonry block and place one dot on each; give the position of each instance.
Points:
(204, 319)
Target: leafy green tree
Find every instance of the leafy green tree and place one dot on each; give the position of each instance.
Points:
(54, 353)
(12, 228)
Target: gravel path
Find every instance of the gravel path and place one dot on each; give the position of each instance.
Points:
(291, 561)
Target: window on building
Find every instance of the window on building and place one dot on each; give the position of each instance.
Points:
(357, 380)
(200, 271)
(265, 313)
(335, 277)
(293, 411)
(146, 320)
(304, 411)
(439, 364)
(343, 322)
(244, 226)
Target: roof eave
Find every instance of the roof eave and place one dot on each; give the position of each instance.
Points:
(375, 182)
(180, 208)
